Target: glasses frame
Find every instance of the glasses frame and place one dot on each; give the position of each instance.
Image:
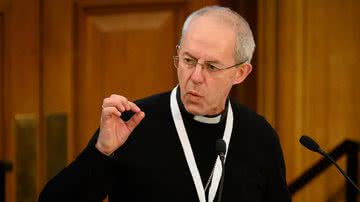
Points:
(176, 58)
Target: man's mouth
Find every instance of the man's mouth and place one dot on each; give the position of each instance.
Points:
(194, 94)
(194, 97)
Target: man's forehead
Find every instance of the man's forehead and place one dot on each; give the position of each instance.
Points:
(206, 37)
(210, 21)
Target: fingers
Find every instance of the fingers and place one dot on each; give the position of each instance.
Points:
(134, 107)
(121, 103)
(135, 120)
(108, 111)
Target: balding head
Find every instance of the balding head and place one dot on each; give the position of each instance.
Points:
(244, 45)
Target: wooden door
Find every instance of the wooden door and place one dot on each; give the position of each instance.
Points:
(124, 49)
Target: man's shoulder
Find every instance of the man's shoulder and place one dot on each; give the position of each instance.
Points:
(247, 115)
(254, 131)
(252, 122)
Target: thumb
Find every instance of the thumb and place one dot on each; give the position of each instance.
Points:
(135, 120)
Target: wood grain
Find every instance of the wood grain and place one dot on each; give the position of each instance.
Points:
(307, 82)
(135, 58)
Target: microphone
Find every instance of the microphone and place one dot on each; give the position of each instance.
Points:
(313, 146)
(309, 143)
(221, 148)
(221, 151)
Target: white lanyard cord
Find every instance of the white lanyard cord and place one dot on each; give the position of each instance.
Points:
(216, 174)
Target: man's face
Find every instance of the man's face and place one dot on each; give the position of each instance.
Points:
(207, 40)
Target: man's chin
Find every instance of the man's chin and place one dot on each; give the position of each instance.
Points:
(194, 109)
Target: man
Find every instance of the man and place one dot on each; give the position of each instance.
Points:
(169, 154)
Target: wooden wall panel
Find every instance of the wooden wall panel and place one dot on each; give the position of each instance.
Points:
(308, 82)
(4, 155)
(267, 59)
(26, 160)
(124, 50)
(246, 92)
(3, 7)
(2, 71)
(332, 76)
(55, 144)
(21, 79)
(57, 82)
(289, 89)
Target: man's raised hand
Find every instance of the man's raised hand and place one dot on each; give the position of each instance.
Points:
(114, 131)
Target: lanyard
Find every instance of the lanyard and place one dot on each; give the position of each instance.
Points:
(180, 128)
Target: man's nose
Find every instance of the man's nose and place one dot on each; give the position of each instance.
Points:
(197, 74)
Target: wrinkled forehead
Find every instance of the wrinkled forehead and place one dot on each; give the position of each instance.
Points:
(210, 38)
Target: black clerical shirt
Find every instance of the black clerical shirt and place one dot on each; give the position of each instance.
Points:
(151, 165)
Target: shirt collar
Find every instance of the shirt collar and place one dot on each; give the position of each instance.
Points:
(214, 119)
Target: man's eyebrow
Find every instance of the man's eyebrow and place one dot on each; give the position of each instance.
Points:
(207, 61)
(213, 62)
(188, 54)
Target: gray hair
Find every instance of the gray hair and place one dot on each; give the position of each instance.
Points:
(245, 44)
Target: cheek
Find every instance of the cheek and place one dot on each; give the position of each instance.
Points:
(219, 89)
(182, 76)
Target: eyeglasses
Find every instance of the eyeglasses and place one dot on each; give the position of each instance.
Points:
(190, 63)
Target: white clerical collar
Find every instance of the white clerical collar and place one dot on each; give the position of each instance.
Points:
(201, 118)
(208, 120)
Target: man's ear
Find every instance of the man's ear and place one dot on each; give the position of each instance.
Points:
(242, 72)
